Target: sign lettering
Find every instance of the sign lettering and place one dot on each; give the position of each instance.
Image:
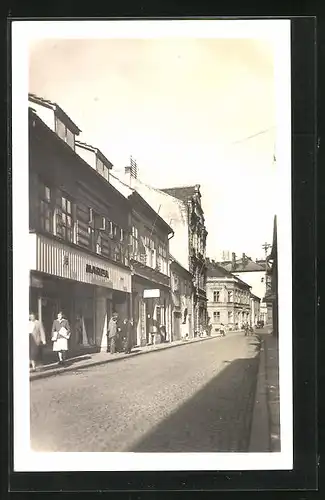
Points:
(98, 271)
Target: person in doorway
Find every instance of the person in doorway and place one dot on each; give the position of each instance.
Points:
(60, 336)
(78, 328)
(112, 332)
(128, 334)
(36, 340)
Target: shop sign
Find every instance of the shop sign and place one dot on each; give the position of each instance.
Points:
(151, 293)
(98, 271)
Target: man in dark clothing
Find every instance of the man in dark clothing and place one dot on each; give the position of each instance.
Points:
(112, 332)
(128, 335)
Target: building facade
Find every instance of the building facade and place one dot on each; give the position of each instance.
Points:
(182, 293)
(255, 303)
(79, 224)
(255, 274)
(229, 298)
(181, 208)
(191, 197)
(149, 260)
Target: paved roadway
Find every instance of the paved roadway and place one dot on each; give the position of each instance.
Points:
(193, 398)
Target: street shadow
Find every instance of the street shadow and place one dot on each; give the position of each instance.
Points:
(68, 362)
(216, 419)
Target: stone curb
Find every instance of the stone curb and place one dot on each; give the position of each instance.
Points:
(260, 428)
(59, 371)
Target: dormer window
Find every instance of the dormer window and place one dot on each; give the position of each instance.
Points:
(64, 132)
(101, 168)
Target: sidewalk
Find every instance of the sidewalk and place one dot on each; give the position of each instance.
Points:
(100, 358)
(265, 431)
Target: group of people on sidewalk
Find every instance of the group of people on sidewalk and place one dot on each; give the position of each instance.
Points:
(119, 337)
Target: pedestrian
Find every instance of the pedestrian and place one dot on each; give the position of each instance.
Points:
(112, 332)
(222, 329)
(36, 340)
(60, 336)
(128, 332)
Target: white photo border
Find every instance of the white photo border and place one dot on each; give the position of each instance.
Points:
(23, 32)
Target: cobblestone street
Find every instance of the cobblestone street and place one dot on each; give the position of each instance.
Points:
(194, 398)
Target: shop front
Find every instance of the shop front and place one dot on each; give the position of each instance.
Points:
(86, 288)
(151, 311)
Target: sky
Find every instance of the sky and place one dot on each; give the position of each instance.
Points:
(190, 111)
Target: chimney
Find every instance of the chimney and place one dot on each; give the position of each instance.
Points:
(233, 261)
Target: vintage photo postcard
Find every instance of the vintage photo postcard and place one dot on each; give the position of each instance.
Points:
(151, 171)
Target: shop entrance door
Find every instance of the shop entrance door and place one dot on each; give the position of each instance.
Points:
(50, 309)
(177, 326)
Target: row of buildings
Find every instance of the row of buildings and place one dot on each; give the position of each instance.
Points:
(101, 242)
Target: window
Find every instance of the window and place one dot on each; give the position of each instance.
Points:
(64, 133)
(63, 218)
(230, 296)
(69, 138)
(216, 316)
(135, 240)
(162, 259)
(99, 244)
(46, 212)
(216, 296)
(230, 316)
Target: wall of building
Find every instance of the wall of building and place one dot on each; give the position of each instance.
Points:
(231, 312)
(254, 279)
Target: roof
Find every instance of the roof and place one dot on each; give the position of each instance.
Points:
(178, 264)
(214, 270)
(56, 108)
(255, 297)
(135, 196)
(247, 266)
(183, 193)
(274, 252)
(97, 151)
(70, 151)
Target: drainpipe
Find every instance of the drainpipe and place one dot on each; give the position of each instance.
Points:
(170, 236)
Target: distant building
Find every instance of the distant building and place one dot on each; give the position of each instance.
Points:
(229, 298)
(255, 305)
(181, 208)
(255, 274)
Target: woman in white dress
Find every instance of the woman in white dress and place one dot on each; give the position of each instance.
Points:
(60, 335)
